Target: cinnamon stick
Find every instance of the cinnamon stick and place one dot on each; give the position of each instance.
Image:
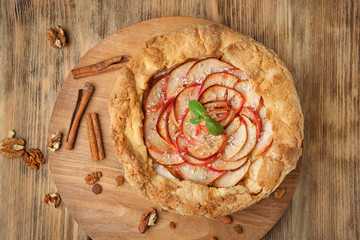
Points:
(84, 96)
(94, 135)
(100, 67)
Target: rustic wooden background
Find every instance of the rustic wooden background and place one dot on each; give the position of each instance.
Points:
(318, 40)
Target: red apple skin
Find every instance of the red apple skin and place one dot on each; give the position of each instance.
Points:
(164, 115)
(158, 99)
(187, 157)
(219, 79)
(215, 64)
(254, 117)
(221, 92)
(216, 174)
(249, 144)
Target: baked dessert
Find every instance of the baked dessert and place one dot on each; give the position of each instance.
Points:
(173, 155)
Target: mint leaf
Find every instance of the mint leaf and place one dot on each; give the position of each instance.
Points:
(196, 108)
(195, 120)
(207, 118)
(214, 128)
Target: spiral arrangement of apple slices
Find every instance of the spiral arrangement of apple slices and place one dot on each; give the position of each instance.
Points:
(189, 152)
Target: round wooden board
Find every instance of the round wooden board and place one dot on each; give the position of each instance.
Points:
(115, 213)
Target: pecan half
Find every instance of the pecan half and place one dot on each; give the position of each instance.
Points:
(61, 35)
(226, 219)
(147, 219)
(92, 178)
(237, 228)
(33, 158)
(12, 147)
(54, 142)
(57, 38)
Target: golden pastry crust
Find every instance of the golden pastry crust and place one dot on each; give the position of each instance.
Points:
(270, 79)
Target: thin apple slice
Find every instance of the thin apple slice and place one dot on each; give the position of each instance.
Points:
(164, 158)
(254, 117)
(203, 144)
(233, 126)
(163, 171)
(198, 174)
(162, 121)
(158, 149)
(220, 79)
(249, 144)
(227, 118)
(199, 71)
(219, 164)
(177, 80)
(230, 179)
(236, 139)
(182, 149)
(220, 93)
(214, 105)
(155, 98)
(219, 110)
(182, 100)
(266, 135)
(172, 128)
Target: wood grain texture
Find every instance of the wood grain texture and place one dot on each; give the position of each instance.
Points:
(116, 213)
(318, 41)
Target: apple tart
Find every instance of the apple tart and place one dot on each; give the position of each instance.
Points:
(174, 156)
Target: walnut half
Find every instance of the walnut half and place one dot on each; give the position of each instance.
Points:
(33, 158)
(54, 142)
(12, 147)
(52, 199)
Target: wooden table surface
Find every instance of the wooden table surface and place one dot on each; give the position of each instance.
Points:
(318, 41)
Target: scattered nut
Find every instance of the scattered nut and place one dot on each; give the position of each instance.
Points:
(93, 177)
(12, 147)
(213, 238)
(61, 35)
(119, 180)
(172, 225)
(238, 228)
(33, 158)
(11, 134)
(226, 219)
(279, 193)
(52, 199)
(147, 219)
(97, 189)
(57, 38)
(54, 142)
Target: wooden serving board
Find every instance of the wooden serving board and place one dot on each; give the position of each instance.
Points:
(115, 213)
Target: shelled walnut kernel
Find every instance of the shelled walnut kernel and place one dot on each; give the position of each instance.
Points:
(54, 142)
(12, 147)
(33, 158)
(52, 199)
